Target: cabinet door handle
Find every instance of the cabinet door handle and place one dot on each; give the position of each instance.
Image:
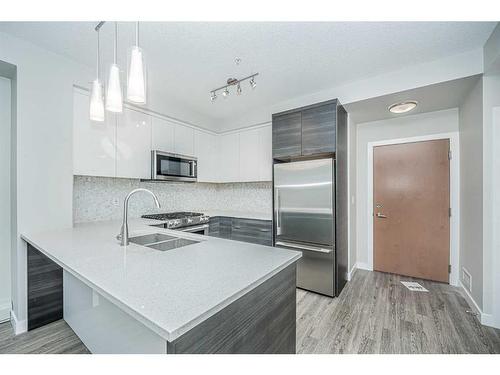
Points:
(382, 216)
(265, 230)
(236, 227)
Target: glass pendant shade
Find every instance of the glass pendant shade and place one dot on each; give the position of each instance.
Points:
(136, 85)
(114, 99)
(96, 101)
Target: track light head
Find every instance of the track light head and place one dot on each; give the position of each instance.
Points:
(225, 93)
(253, 83)
(213, 96)
(238, 89)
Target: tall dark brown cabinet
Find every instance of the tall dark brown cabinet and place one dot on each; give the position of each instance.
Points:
(317, 131)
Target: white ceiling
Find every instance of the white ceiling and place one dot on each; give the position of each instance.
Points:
(430, 98)
(186, 60)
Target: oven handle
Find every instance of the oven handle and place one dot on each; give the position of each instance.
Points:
(194, 229)
(305, 247)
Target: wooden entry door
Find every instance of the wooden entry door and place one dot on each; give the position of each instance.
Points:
(411, 201)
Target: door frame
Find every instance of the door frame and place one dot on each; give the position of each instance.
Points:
(453, 137)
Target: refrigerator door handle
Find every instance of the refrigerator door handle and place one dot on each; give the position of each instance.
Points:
(278, 213)
(304, 247)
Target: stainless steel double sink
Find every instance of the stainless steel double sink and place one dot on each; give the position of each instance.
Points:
(161, 242)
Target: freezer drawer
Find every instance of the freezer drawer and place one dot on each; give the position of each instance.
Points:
(316, 268)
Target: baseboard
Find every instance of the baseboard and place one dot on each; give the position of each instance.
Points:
(20, 326)
(4, 312)
(364, 266)
(351, 273)
(485, 319)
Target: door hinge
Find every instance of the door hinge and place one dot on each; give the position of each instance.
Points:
(449, 212)
(449, 154)
(449, 268)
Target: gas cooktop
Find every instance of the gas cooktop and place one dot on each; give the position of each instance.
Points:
(179, 219)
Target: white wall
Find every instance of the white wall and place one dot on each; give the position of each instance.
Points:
(471, 189)
(408, 126)
(5, 125)
(44, 146)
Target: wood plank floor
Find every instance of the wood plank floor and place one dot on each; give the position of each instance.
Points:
(52, 338)
(374, 314)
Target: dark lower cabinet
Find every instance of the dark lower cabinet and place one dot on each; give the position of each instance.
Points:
(45, 290)
(245, 230)
(263, 321)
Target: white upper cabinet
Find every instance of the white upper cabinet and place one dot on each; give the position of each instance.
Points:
(265, 154)
(93, 142)
(249, 155)
(229, 157)
(162, 135)
(205, 149)
(133, 135)
(183, 140)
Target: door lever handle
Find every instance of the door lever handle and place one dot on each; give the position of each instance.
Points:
(382, 216)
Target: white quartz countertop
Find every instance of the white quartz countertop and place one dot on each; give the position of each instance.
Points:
(170, 292)
(240, 214)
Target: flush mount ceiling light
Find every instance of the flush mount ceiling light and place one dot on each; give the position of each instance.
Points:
(136, 84)
(96, 95)
(114, 99)
(403, 107)
(233, 82)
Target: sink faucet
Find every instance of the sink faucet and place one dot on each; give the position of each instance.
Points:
(123, 236)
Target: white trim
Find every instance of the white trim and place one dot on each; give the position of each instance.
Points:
(364, 266)
(351, 273)
(5, 311)
(468, 297)
(454, 195)
(20, 326)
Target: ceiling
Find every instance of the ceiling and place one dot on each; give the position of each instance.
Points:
(187, 60)
(430, 98)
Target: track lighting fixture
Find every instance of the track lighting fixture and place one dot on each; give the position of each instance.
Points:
(233, 82)
(253, 83)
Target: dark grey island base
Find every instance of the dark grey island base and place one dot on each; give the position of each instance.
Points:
(261, 321)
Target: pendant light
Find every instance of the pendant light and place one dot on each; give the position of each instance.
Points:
(114, 100)
(96, 96)
(136, 83)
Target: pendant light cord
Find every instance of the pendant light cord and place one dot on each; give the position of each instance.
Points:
(116, 43)
(137, 33)
(97, 53)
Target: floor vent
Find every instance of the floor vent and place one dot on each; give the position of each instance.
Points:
(413, 286)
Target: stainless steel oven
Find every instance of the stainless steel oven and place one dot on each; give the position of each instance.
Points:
(173, 167)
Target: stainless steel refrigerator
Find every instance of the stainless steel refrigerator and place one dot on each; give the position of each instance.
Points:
(304, 219)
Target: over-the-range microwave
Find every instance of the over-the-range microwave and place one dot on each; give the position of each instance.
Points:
(173, 167)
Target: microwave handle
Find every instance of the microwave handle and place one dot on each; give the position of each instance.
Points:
(193, 166)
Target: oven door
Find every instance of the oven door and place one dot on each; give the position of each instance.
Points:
(173, 167)
(196, 229)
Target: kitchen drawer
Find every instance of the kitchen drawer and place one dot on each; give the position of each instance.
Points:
(253, 231)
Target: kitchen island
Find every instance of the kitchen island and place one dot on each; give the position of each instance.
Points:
(211, 296)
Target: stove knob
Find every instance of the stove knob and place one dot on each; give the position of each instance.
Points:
(189, 220)
(177, 222)
(170, 224)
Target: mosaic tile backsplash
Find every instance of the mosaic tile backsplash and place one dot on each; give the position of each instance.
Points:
(101, 198)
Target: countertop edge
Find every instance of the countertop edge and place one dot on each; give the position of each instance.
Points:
(168, 336)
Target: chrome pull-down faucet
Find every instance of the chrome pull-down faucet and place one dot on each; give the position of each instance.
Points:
(123, 236)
